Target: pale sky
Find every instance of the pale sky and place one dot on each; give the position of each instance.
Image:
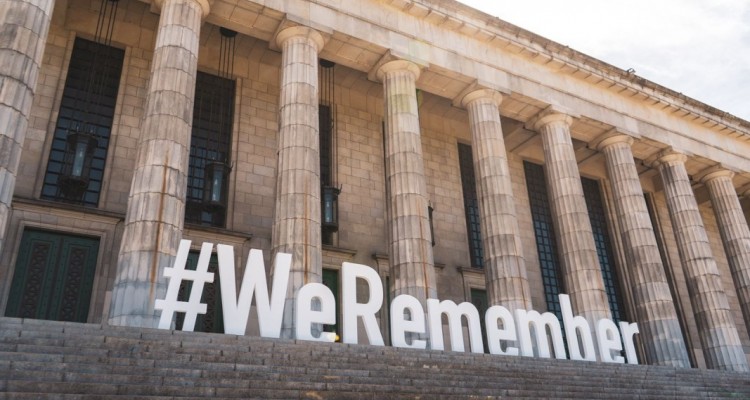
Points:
(698, 47)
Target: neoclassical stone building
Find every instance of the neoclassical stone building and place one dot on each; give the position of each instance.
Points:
(460, 156)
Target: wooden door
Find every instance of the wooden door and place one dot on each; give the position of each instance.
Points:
(53, 277)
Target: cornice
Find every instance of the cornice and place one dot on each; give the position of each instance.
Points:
(486, 28)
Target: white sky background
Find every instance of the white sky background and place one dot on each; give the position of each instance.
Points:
(698, 47)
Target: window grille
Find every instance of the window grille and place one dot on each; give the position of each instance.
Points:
(471, 205)
(83, 108)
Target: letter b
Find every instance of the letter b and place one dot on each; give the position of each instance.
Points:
(573, 324)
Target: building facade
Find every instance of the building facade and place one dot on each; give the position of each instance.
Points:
(460, 156)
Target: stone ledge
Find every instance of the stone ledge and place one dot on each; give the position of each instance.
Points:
(49, 206)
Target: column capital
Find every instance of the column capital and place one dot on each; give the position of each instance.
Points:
(478, 94)
(479, 90)
(384, 65)
(550, 115)
(205, 6)
(668, 156)
(300, 31)
(615, 138)
(398, 65)
(711, 173)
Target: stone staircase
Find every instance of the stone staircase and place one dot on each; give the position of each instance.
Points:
(60, 360)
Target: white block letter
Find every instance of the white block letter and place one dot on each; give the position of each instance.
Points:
(627, 331)
(525, 320)
(306, 315)
(495, 334)
(351, 309)
(235, 309)
(575, 326)
(400, 326)
(609, 339)
(435, 310)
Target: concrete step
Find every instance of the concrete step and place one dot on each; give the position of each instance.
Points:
(176, 367)
(51, 359)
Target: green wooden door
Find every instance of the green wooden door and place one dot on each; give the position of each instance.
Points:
(53, 277)
(213, 319)
(331, 280)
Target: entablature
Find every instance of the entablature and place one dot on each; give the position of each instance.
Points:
(459, 46)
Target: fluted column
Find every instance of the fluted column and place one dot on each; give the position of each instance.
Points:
(505, 268)
(296, 227)
(156, 205)
(719, 338)
(412, 265)
(580, 262)
(657, 318)
(735, 234)
(24, 25)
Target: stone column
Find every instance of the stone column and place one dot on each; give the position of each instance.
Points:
(580, 262)
(735, 234)
(721, 342)
(156, 205)
(505, 268)
(412, 264)
(24, 25)
(296, 228)
(661, 334)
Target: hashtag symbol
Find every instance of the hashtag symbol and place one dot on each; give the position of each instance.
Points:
(176, 275)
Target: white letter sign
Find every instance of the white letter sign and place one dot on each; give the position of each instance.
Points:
(400, 326)
(525, 332)
(351, 309)
(307, 316)
(235, 309)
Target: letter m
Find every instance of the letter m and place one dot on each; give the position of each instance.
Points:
(528, 320)
(435, 311)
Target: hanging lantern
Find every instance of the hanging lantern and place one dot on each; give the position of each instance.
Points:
(330, 208)
(76, 169)
(217, 169)
(80, 143)
(215, 185)
(327, 118)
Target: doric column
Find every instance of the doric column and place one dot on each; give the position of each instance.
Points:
(505, 269)
(296, 227)
(719, 338)
(580, 262)
(24, 25)
(156, 205)
(735, 234)
(657, 318)
(412, 265)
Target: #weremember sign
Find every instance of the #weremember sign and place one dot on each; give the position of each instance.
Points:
(521, 332)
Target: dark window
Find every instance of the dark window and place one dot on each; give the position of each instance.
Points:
(326, 145)
(331, 280)
(326, 157)
(471, 205)
(88, 103)
(430, 216)
(53, 277)
(213, 115)
(213, 319)
(541, 216)
(388, 306)
(597, 216)
(479, 300)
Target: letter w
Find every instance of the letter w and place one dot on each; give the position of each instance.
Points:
(236, 310)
